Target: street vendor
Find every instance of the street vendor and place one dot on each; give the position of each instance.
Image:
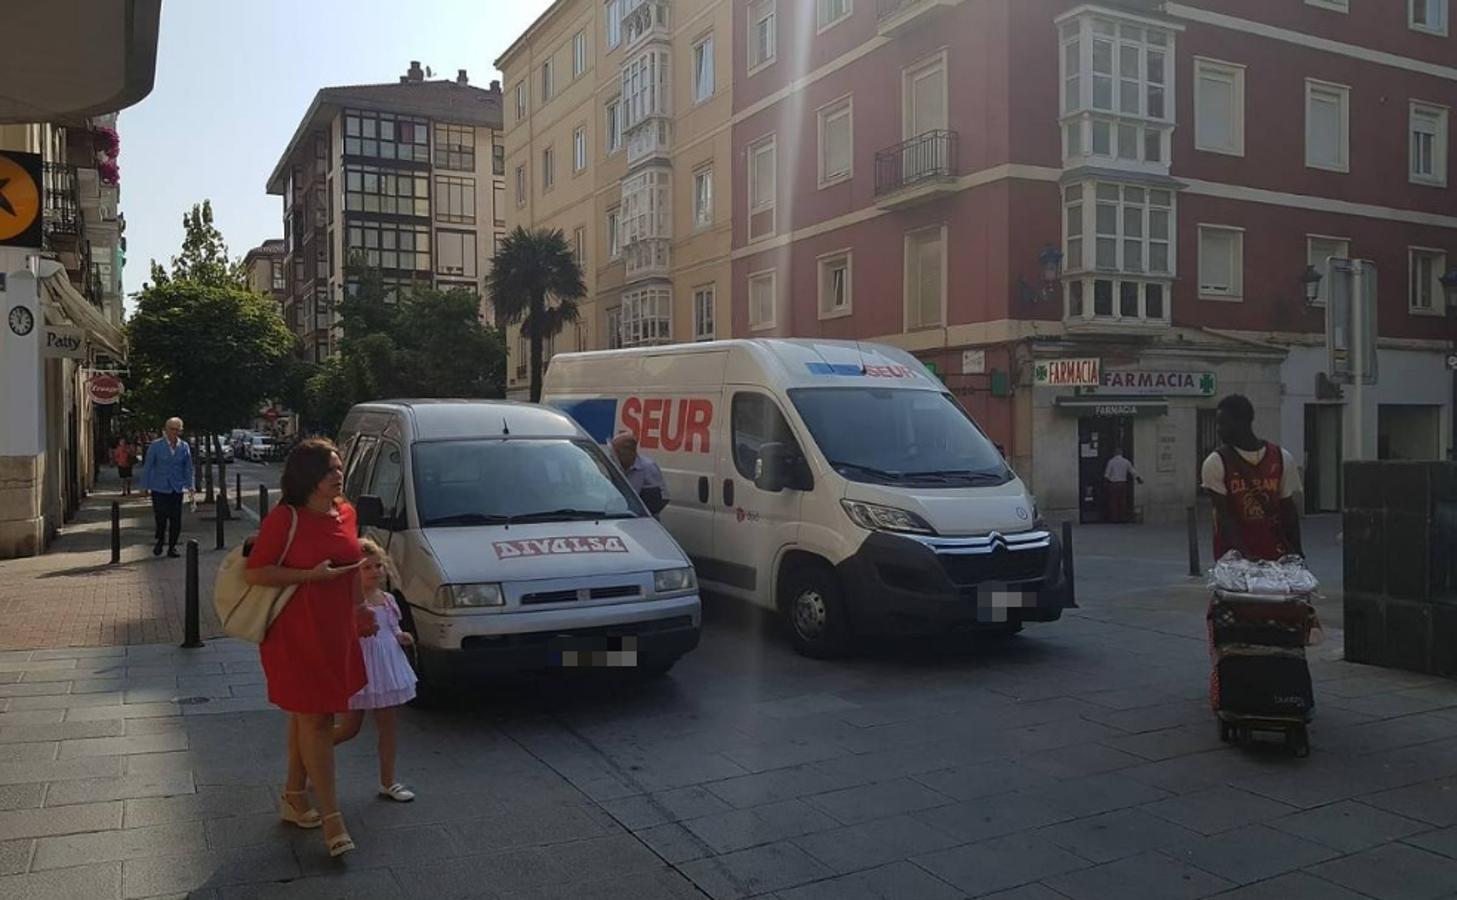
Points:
(1253, 484)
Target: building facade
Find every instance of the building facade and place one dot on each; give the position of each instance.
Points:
(1092, 220)
(404, 175)
(266, 271)
(617, 133)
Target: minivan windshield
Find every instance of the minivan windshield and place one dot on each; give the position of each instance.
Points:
(511, 481)
(898, 436)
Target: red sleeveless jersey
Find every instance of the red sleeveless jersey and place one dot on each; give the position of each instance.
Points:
(1253, 492)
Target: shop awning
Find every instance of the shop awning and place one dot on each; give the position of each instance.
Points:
(60, 291)
(1105, 405)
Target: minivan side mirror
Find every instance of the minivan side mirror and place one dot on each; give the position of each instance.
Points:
(774, 470)
(370, 513)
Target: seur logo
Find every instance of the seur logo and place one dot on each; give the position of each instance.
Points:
(669, 424)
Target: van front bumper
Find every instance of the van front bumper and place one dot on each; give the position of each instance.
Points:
(628, 635)
(900, 585)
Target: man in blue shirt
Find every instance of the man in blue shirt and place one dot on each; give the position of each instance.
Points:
(166, 474)
(642, 473)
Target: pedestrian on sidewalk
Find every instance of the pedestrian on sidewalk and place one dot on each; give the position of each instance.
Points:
(311, 655)
(124, 456)
(1253, 484)
(166, 475)
(1117, 477)
(391, 679)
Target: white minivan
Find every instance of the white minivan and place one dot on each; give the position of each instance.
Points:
(519, 544)
(838, 482)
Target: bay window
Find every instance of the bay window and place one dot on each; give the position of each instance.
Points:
(1118, 250)
(647, 316)
(1117, 89)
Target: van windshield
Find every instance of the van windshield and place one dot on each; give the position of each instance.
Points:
(511, 481)
(890, 436)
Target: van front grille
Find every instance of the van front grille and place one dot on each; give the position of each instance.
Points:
(549, 597)
(613, 592)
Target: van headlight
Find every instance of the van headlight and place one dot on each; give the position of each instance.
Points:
(874, 517)
(674, 581)
(469, 595)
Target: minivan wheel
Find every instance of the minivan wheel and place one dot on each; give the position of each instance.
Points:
(815, 610)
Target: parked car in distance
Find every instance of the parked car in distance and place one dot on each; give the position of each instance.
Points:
(205, 452)
(259, 449)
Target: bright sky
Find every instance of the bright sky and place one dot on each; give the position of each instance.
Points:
(233, 80)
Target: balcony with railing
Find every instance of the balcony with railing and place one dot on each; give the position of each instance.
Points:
(643, 20)
(897, 16)
(62, 208)
(917, 170)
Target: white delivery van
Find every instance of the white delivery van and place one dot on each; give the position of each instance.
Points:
(519, 543)
(838, 482)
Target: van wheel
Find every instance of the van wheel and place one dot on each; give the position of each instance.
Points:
(815, 609)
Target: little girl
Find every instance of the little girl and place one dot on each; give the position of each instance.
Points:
(391, 680)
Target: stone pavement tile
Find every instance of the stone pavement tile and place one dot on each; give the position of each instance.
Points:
(234, 832)
(780, 784)
(1118, 699)
(1252, 853)
(739, 829)
(1443, 841)
(989, 817)
(802, 705)
(1392, 872)
(657, 884)
(128, 711)
(152, 876)
(660, 773)
(29, 823)
(503, 874)
(79, 653)
(37, 665)
(1148, 876)
(22, 796)
(899, 762)
(27, 717)
(1167, 743)
(1401, 703)
(1155, 718)
(764, 756)
(1030, 739)
(1000, 863)
(117, 845)
(160, 763)
(115, 746)
(603, 857)
(207, 803)
(673, 843)
(395, 847)
(877, 801)
(1349, 826)
(1292, 886)
(1383, 735)
(1217, 809)
(1027, 892)
(1110, 836)
(35, 689)
(100, 882)
(1094, 794)
(131, 727)
(895, 881)
(15, 856)
(646, 810)
(1433, 801)
(97, 686)
(361, 884)
(983, 779)
(747, 873)
(39, 751)
(1079, 760)
(121, 787)
(523, 827)
(874, 843)
(61, 731)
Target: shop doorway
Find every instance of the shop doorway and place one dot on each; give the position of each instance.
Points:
(1098, 437)
(1322, 457)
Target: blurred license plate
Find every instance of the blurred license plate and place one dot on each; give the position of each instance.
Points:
(597, 652)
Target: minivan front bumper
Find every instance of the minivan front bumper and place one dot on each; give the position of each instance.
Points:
(901, 585)
(455, 648)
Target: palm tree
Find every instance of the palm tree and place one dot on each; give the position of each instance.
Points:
(530, 267)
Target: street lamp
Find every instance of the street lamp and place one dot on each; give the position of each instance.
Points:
(1310, 281)
(1449, 290)
(1049, 261)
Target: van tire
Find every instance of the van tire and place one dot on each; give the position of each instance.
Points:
(814, 608)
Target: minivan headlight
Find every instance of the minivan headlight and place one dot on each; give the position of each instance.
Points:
(673, 581)
(470, 595)
(875, 517)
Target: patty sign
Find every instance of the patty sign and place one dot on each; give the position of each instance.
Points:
(104, 389)
(558, 546)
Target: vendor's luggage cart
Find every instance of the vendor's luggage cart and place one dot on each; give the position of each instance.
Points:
(1259, 680)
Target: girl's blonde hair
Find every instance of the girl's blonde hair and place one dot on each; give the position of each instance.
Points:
(375, 552)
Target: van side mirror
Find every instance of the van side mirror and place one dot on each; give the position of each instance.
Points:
(774, 470)
(370, 513)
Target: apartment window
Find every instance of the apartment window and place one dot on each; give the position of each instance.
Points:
(520, 100)
(498, 202)
(321, 262)
(386, 136)
(647, 317)
(703, 198)
(614, 234)
(1318, 252)
(762, 300)
(455, 147)
(703, 69)
(1221, 263)
(1219, 107)
(1130, 225)
(1332, 5)
(546, 81)
(456, 253)
(762, 187)
(374, 189)
(579, 148)
(1428, 15)
(614, 126)
(1327, 126)
(614, 23)
(278, 282)
(703, 329)
(1429, 144)
(925, 277)
(614, 328)
(455, 199)
(391, 245)
(579, 53)
(1116, 68)
(498, 159)
(496, 242)
(834, 284)
(923, 102)
(1427, 267)
(579, 245)
(829, 12)
(761, 33)
(836, 142)
(548, 175)
(521, 185)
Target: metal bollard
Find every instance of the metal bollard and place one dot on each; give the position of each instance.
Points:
(1194, 567)
(115, 532)
(220, 507)
(191, 626)
(1067, 564)
(262, 502)
(238, 490)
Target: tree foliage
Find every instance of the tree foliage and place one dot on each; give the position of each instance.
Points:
(535, 280)
(204, 257)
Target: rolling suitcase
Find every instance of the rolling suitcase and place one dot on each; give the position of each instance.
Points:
(1259, 681)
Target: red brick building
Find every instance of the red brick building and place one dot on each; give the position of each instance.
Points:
(994, 185)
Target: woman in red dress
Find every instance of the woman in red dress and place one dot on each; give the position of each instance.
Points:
(311, 655)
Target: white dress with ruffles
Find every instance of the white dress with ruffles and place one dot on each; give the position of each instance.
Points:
(391, 679)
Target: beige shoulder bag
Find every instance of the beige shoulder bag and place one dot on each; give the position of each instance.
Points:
(246, 610)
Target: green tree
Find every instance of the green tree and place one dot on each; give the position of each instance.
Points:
(204, 257)
(535, 281)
